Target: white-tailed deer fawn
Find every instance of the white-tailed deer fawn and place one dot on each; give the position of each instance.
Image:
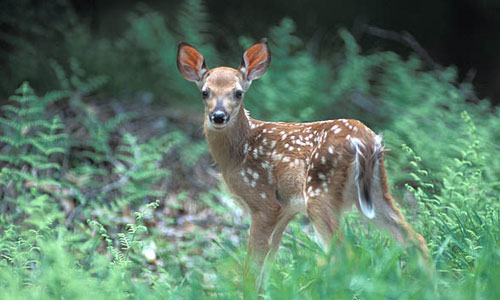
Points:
(277, 170)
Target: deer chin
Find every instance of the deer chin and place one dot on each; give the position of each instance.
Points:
(216, 127)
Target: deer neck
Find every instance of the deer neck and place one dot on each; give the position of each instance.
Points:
(226, 146)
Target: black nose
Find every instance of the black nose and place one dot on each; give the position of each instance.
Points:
(219, 117)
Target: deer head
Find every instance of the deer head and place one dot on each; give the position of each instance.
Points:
(223, 88)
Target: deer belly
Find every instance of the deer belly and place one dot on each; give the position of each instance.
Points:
(290, 190)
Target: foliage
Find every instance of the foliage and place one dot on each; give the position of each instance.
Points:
(148, 45)
(90, 209)
(60, 168)
(272, 98)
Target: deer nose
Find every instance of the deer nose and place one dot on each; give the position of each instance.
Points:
(219, 117)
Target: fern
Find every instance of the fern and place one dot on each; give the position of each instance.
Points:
(31, 141)
(456, 235)
(26, 129)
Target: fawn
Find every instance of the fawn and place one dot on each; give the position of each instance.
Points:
(277, 169)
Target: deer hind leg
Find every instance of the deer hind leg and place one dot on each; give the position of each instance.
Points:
(389, 217)
(369, 183)
(321, 205)
(323, 193)
(324, 217)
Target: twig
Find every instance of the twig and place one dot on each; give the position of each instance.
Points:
(120, 182)
(72, 215)
(123, 180)
(409, 40)
(404, 38)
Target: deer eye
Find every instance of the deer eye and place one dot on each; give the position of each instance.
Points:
(204, 94)
(238, 94)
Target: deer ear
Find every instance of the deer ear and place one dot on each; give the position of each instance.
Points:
(256, 60)
(190, 62)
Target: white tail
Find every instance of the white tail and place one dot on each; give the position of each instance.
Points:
(362, 182)
(277, 170)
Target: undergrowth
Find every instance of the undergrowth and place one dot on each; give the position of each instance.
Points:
(87, 211)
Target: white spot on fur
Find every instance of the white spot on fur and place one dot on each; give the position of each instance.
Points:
(255, 153)
(276, 156)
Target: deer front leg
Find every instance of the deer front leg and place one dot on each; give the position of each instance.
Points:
(261, 228)
(266, 231)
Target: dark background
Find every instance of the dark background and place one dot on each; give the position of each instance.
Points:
(463, 33)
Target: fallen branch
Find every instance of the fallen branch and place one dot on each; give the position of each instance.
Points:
(403, 38)
(409, 40)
